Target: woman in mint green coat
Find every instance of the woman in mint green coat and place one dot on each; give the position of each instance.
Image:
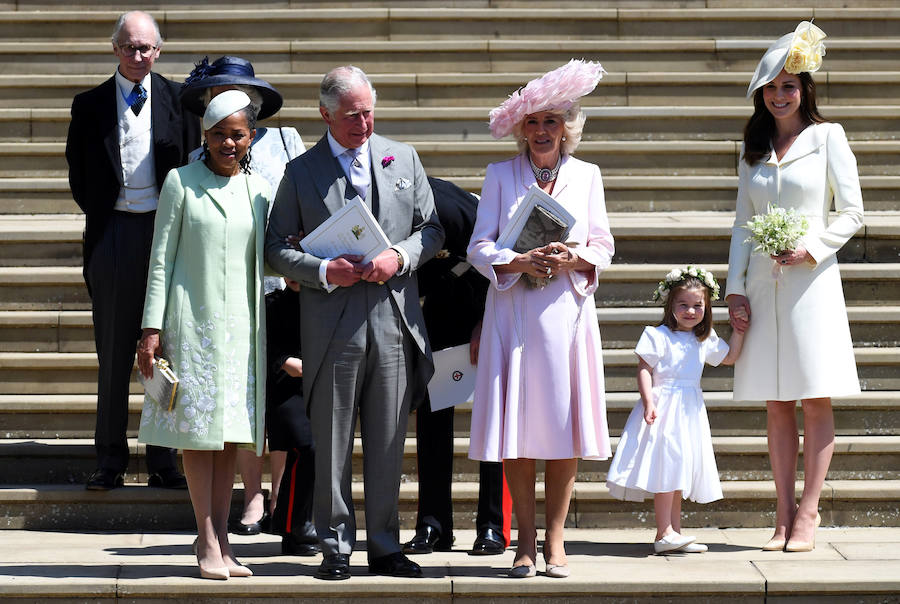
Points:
(204, 313)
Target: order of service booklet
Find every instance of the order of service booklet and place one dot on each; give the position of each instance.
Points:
(537, 221)
(351, 230)
(453, 381)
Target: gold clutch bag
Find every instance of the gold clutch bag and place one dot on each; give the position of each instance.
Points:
(162, 386)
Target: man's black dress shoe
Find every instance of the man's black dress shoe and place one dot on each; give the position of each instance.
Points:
(334, 567)
(104, 479)
(254, 528)
(170, 478)
(292, 545)
(427, 540)
(394, 565)
(488, 543)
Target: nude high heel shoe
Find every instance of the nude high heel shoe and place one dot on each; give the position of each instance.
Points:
(794, 545)
(777, 545)
(220, 573)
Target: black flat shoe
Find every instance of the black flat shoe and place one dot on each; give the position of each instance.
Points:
(426, 541)
(394, 565)
(170, 478)
(104, 479)
(488, 543)
(295, 546)
(334, 567)
(254, 528)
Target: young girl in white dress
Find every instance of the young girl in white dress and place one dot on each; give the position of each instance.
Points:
(666, 447)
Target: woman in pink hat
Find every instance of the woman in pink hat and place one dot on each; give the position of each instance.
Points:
(539, 389)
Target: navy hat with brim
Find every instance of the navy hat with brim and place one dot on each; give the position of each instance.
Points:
(226, 71)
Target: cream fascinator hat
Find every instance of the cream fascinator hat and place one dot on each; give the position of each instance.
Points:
(796, 52)
(223, 105)
(556, 90)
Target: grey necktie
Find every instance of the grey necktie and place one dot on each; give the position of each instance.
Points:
(359, 176)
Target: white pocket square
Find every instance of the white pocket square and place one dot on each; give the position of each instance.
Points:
(401, 184)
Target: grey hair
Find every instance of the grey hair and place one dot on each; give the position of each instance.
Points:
(251, 91)
(338, 82)
(250, 112)
(573, 127)
(120, 23)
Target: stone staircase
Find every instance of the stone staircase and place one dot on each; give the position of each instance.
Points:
(664, 126)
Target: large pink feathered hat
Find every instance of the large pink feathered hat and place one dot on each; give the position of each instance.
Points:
(556, 90)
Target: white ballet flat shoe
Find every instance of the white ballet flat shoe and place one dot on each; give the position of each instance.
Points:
(694, 548)
(672, 542)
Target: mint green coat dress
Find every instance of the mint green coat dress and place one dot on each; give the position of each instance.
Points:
(205, 295)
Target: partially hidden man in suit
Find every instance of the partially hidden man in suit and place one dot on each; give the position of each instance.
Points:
(124, 137)
(365, 351)
(453, 306)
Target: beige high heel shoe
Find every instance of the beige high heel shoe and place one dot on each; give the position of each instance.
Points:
(794, 545)
(780, 544)
(219, 573)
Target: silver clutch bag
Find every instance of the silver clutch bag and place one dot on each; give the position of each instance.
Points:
(162, 386)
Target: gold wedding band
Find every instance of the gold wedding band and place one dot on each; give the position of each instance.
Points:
(381, 283)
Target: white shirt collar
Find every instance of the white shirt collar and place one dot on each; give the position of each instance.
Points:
(126, 85)
(338, 150)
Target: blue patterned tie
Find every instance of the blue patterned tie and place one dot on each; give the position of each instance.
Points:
(140, 98)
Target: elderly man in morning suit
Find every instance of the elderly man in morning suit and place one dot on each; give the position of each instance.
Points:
(124, 137)
(363, 336)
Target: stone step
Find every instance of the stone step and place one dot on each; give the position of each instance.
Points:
(72, 331)
(62, 288)
(75, 372)
(527, 53)
(704, 237)
(746, 504)
(30, 416)
(849, 564)
(628, 284)
(441, 89)
(71, 461)
(447, 123)
(453, 158)
(398, 23)
(38, 196)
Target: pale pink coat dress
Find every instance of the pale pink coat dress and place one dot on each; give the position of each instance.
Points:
(539, 389)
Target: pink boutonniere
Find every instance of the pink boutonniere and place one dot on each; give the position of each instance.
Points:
(386, 161)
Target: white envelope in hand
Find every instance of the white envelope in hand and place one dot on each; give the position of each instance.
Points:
(453, 381)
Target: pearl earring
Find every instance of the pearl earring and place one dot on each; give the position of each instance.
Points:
(564, 138)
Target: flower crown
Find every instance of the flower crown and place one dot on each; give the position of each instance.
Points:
(677, 275)
(806, 49)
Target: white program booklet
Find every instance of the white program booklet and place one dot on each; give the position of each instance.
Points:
(453, 381)
(351, 230)
(534, 197)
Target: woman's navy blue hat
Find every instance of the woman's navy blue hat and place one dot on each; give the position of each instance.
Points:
(226, 71)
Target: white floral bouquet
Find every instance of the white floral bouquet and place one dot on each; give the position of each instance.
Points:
(777, 230)
(677, 275)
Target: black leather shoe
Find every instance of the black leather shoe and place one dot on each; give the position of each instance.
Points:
(170, 478)
(292, 545)
(488, 543)
(427, 540)
(104, 479)
(254, 528)
(394, 565)
(334, 567)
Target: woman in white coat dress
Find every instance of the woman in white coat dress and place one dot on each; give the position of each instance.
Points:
(798, 345)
